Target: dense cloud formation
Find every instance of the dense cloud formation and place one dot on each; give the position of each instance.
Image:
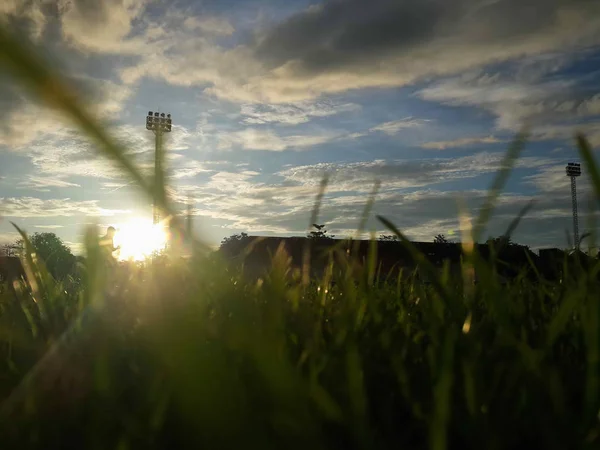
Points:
(85, 23)
(359, 177)
(410, 195)
(345, 33)
(343, 44)
(269, 98)
(342, 34)
(35, 207)
(330, 47)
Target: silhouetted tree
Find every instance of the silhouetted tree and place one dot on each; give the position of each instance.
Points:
(388, 237)
(511, 256)
(56, 255)
(234, 244)
(10, 249)
(320, 233)
(440, 239)
(504, 243)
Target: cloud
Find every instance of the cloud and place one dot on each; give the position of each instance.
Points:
(23, 10)
(188, 169)
(542, 103)
(590, 106)
(211, 25)
(513, 102)
(293, 113)
(25, 121)
(25, 207)
(44, 183)
(394, 127)
(262, 139)
(566, 131)
(113, 187)
(281, 77)
(285, 209)
(188, 56)
(57, 151)
(331, 47)
(49, 227)
(76, 247)
(70, 157)
(242, 200)
(9, 237)
(338, 45)
(403, 174)
(85, 24)
(259, 138)
(552, 180)
(463, 142)
(105, 97)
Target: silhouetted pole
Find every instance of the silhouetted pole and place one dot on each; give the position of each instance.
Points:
(574, 171)
(189, 216)
(158, 123)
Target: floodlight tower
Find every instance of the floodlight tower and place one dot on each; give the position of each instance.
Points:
(189, 216)
(574, 171)
(158, 123)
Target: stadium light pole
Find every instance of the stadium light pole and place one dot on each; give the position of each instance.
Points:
(158, 123)
(189, 216)
(574, 171)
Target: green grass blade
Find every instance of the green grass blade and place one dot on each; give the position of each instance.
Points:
(419, 258)
(313, 219)
(442, 393)
(592, 385)
(585, 150)
(500, 180)
(38, 279)
(515, 222)
(367, 211)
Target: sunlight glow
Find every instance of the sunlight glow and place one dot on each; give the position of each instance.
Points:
(139, 239)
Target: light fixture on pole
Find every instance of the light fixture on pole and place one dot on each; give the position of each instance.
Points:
(574, 171)
(158, 123)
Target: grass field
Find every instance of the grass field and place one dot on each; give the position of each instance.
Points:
(188, 354)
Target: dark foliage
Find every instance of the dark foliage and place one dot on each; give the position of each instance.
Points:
(55, 254)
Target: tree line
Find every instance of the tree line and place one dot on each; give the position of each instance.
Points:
(57, 256)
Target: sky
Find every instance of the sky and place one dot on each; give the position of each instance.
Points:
(268, 96)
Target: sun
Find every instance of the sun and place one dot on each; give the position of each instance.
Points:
(139, 239)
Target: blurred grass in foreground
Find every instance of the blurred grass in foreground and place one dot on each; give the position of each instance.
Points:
(189, 354)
